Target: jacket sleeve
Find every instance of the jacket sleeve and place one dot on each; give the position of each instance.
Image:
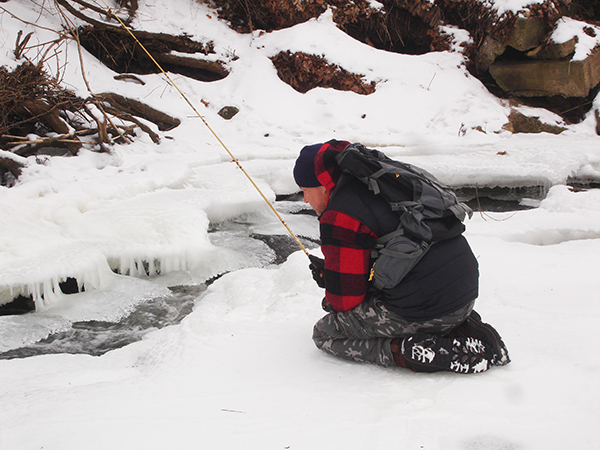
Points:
(346, 244)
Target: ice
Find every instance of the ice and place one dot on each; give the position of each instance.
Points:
(114, 298)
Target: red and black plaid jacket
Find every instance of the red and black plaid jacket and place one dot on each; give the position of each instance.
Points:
(346, 243)
(446, 278)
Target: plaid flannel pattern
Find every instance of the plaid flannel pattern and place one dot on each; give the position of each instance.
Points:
(345, 242)
(346, 245)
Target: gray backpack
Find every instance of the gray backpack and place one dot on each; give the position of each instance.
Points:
(433, 214)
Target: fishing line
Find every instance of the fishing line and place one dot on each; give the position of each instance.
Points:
(190, 104)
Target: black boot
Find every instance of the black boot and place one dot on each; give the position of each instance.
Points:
(475, 328)
(431, 353)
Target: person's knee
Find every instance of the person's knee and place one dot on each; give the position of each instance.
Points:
(319, 341)
(319, 337)
(325, 330)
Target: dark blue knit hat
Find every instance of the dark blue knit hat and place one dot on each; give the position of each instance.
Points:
(304, 170)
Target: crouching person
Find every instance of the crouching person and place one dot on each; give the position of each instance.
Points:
(426, 323)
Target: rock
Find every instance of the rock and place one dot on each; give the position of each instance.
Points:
(553, 51)
(490, 49)
(227, 112)
(527, 33)
(546, 78)
(520, 123)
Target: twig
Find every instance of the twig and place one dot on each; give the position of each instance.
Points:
(26, 22)
(124, 116)
(21, 44)
(75, 35)
(99, 106)
(30, 146)
(429, 85)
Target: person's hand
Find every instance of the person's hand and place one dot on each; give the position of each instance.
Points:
(317, 267)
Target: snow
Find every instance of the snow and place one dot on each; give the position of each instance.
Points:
(568, 29)
(510, 6)
(241, 370)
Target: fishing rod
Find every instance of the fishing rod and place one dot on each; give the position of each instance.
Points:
(191, 105)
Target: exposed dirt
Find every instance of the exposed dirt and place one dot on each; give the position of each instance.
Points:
(248, 15)
(305, 72)
(394, 29)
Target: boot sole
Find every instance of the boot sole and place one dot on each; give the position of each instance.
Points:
(499, 350)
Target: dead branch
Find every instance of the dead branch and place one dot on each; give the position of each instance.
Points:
(21, 44)
(127, 117)
(109, 120)
(92, 7)
(31, 147)
(163, 121)
(65, 4)
(124, 116)
(49, 115)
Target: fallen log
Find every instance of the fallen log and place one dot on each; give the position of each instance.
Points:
(120, 52)
(198, 69)
(163, 121)
(25, 147)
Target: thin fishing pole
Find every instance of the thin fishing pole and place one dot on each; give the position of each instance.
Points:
(233, 158)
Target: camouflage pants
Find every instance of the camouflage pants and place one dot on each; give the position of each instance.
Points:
(364, 333)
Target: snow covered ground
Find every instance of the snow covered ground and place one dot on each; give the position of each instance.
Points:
(241, 372)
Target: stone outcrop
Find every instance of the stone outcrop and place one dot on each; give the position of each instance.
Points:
(546, 78)
(520, 123)
(544, 68)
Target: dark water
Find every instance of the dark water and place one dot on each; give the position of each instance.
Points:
(97, 337)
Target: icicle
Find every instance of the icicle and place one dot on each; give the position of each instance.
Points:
(56, 286)
(151, 268)
(139, 265)
(165, 265)
(131, 268)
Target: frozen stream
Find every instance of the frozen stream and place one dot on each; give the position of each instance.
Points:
(258, 249)
(98, 337)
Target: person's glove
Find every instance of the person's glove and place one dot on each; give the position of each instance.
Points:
(327, 306)
(317, 267)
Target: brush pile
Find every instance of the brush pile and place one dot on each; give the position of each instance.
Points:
(39, 117)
